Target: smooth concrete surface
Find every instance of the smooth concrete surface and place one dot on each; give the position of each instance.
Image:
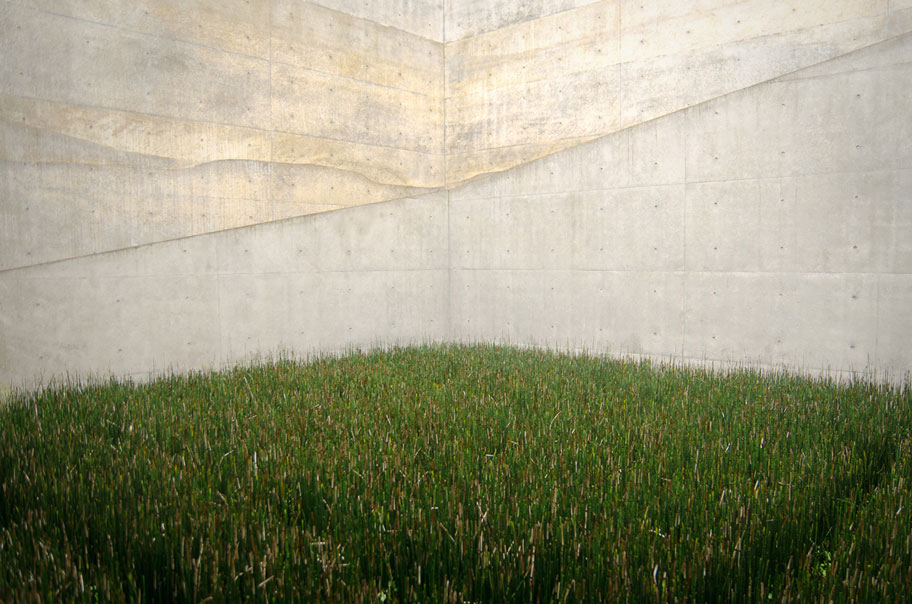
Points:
(311, 284)
(128, 123)
(770, 226)
(420, 17)
(467, 18)
(584, 69)
(124, 124)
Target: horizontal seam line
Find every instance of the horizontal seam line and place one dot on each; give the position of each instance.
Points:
(680, 271)
(228, 273)
(682, 183)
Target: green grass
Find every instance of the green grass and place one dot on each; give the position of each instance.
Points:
(458, 474)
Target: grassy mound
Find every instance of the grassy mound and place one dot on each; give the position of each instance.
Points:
(458, 474)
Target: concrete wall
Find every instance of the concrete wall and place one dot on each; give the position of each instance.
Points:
(770, 226)
(527, 79)
(127, 123)
(703, 180)
(316, 283)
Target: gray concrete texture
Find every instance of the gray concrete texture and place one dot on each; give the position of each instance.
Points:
(770, 226)
(317, 283)
(128, 123)
(545, 76)
(707, 181)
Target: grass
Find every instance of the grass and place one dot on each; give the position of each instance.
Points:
(458, 474)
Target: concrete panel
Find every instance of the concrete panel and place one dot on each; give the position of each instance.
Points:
(463, 167)
(109, 113)
(245, 327)
(514, 233)
(237, 26)
(90, 326)
(888, 54)
(369, 309)
(65, 210)
(610, 32)
(43, 131)
(466, 18)
(553, 109)
(616, 312)
(767, 258)
(84, 63)
(408, 234)
(188, 257)
(649, 154)
(87, 181)
(323, 311)
(25, 144)
(335, 107)
(627, 229)
(40, 131)
(899, 22)
(798, 140)
(628, 313)
(656, 86)
(806, 320)
(178, 329)
(564, 43)
(307, 35)
(631, 229)
(819, 223)
(739, 226)
(653, 29)
(512, 307)
(594, 69)
(221, 297)
(894, 325)
(420, 17)
(59, 211)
